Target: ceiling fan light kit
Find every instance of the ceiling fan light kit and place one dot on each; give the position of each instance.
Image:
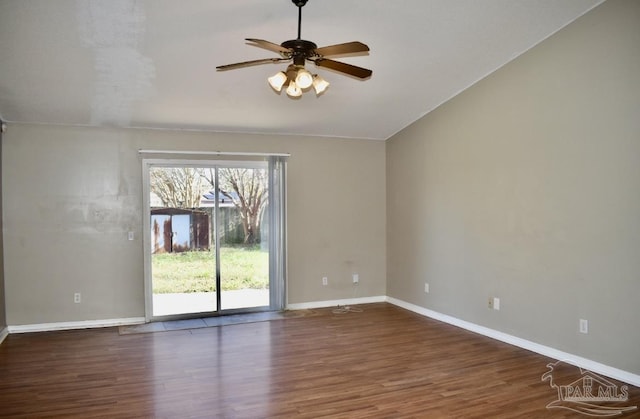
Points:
(297, 78)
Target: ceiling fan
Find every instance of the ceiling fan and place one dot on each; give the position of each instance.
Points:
(299, 51)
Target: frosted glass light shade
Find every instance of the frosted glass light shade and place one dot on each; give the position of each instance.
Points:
(320, 84)
(277, 81)
(293, 90)
(304, 79)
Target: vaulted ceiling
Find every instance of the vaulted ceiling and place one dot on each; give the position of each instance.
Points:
(151, 63)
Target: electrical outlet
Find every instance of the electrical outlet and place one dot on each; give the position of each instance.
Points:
(494, 303)
(77, 298)
(426, 287)
(130, 235)
(356, 279)
(325, 280)
(584, 326)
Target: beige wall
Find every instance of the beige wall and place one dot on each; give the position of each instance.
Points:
(71, 195)
(527, 187)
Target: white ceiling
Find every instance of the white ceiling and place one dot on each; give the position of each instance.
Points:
(151, 63)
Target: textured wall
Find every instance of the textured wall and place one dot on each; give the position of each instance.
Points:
(72, 194)
(527, 187)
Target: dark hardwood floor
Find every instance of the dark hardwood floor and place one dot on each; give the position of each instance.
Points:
(384, 362)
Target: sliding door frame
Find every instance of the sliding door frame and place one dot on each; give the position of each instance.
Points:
(276, 167)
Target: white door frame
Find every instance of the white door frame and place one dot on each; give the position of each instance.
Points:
(147, 164)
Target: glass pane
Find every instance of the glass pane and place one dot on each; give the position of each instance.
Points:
(183, 258)
(243, 228)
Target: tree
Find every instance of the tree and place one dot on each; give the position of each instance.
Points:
(247, 189)
(177, 187)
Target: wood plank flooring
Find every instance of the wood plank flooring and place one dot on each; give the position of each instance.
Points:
(384, 362)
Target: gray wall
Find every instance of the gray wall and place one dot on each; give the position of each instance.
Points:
(71, 195)
(3, 317)
(526, 187)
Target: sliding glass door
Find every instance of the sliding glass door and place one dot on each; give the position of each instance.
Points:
(211, 246)
(242, 243)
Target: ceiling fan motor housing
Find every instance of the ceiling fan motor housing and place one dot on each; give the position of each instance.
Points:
(300, 50)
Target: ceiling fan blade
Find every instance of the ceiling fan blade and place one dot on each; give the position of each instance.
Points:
(346, 48)
(250, 63)
(349, 69)
(268, 45)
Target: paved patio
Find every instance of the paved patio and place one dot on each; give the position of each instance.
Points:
(202, 302)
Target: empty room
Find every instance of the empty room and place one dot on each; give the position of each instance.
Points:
(320, 208)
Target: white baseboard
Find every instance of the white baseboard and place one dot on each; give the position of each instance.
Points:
(578, 361)
(332, 303)
(85, 324)
(3, 334)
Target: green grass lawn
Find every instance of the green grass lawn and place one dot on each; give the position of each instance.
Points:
(240, 268)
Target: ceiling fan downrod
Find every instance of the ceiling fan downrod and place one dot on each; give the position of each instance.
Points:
(300, 4)
(299, 47)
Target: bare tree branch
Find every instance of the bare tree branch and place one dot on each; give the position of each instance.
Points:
(177, 187)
